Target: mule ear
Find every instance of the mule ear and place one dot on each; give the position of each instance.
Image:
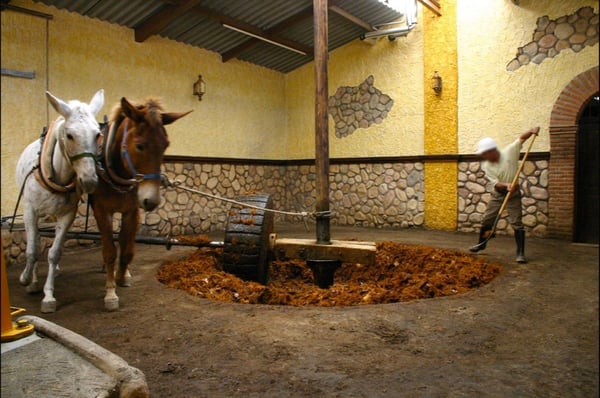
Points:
(60, 106)
(97, 102)
(131, 111)
(168, 118)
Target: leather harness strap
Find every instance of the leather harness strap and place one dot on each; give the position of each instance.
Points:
(46, 154)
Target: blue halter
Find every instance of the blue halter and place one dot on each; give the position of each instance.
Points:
(125, 154)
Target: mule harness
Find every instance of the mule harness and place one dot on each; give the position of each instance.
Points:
(105, 171)
(40, 172)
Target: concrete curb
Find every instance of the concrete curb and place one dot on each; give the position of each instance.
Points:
(131, 381)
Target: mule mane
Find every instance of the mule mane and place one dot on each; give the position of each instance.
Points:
(151, 107)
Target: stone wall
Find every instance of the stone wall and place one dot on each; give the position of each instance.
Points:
(364, 194)
(182, 213)
(574, 32)
(358, 107)
(473, 196)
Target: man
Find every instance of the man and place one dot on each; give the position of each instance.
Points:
(500, 167)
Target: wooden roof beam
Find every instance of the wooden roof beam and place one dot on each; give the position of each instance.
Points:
(275, 30)
(159, 21)
(352, 18)
(433, 5)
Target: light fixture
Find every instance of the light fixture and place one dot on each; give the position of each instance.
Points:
(437, 83)
(199, 87)
(263, 39)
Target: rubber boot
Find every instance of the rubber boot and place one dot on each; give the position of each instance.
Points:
(520, 239)
(483, 232)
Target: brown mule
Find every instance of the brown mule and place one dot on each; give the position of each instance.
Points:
(130, 178)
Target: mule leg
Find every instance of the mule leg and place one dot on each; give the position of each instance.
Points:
(29, 275)
(54, 254)
(129, 224)
(104, 219)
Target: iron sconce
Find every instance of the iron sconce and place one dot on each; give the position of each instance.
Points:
(437, 83)
(199, 87)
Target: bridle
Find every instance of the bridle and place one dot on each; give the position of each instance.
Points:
(125, 154)
(117, 182)
(73, 158)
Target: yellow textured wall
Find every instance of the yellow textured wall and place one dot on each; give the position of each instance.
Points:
(242, 114)
(398, 71)
(23, 104)
(441, 116)
(499, 103)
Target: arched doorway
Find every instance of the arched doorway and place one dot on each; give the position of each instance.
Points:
(586, 174)
(564, 126)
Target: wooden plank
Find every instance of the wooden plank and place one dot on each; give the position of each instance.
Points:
(321, 121)
(352, 18)
(345, 251)
(157, 22)
(4, 6)
(433, 5)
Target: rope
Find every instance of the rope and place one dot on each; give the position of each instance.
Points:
(14, 216)
(179, 185)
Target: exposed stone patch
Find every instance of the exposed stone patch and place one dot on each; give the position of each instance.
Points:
(473, 196)
(358, 107)
(550, 37)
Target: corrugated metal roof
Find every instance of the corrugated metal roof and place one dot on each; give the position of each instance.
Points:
(201, 31)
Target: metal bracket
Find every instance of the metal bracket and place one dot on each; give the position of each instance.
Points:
(18, 73)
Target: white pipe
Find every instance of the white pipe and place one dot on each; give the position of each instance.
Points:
(392, 33)
(410, 16)
(263, 39)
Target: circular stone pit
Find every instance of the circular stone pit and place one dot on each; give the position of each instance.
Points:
(401, 273)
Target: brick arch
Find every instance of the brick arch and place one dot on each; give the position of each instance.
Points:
(563, 146)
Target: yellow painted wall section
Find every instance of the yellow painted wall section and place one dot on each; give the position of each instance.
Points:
(501, 104)
(23, 104)
(398, 71)
(242, 114)
(441, 195)
(441, 116)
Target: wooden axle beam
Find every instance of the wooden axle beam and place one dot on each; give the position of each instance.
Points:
(309, 249)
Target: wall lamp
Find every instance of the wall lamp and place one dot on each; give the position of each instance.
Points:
(437, 83)
(199, 88)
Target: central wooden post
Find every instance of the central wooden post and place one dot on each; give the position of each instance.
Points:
(321, 122)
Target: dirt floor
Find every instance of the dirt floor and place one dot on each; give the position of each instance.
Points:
(531, 332)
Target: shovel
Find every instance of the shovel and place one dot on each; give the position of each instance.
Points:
(490, 233)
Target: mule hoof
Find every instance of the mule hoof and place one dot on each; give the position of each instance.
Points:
(24, 281)
(111, 304)
(33, 288)
(48, 306)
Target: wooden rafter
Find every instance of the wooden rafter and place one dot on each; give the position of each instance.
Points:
(352, 18)
(174, 9)
(292, 21)
(159, 21)
(236, 23)
(433, 5)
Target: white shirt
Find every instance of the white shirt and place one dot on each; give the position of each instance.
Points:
(505, 169)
